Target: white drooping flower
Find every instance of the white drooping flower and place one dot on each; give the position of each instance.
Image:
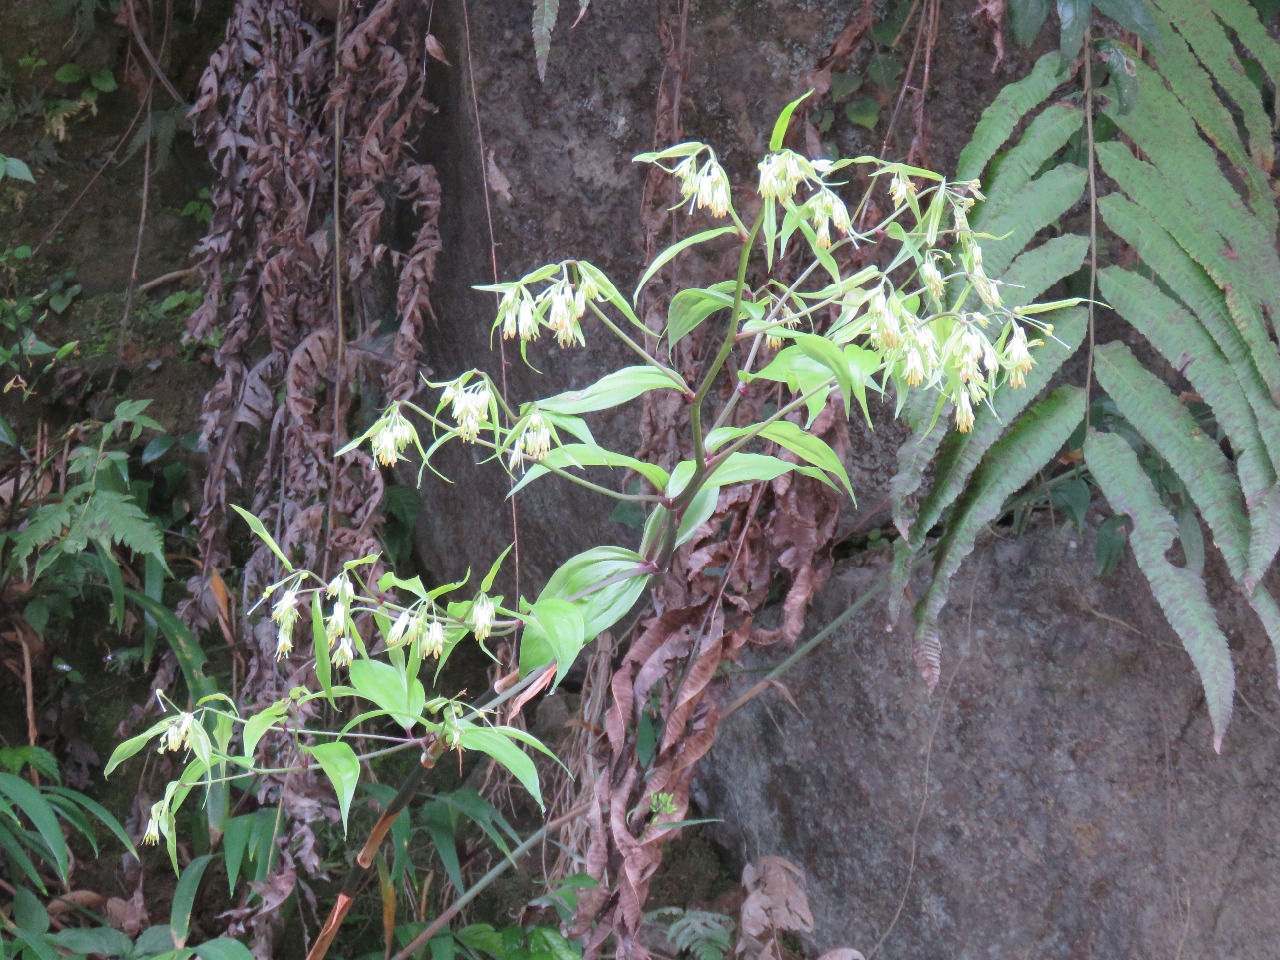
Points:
(964, 412)
(469, 407)
(1018, 356)
(482, 616)
(152, 836)
(931, 277)
(781, 174)
(391, 434)
(177, 733)
(713, 189)
(285, 614)
(433, 640)
(828, 210)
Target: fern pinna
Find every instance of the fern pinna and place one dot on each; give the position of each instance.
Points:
(1182, 152)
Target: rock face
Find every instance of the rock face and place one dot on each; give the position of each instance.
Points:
(1057, 797)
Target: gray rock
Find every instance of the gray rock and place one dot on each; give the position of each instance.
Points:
(1075, 807)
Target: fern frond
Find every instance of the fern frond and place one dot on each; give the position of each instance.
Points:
(1241, 17)
(1166, 133)
(1029, 443)
(545, 13)
(1144, 400)
(1180, 592)
(961, 453)
(1211, 44)
(1038, 269)
(1046, 134)
(116, 519)
(1266, 536)
(1168, 204)
(1186, 345)
(1016, 221)
(1257, 363)
(1000, 119)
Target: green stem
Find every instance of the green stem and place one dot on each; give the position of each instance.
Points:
(639, 350)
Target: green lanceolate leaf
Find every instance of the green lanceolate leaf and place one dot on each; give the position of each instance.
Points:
(184, 898)
(613, 389)
(1010, 463)
(779, 133)
(1000, 119)
(1133, 15)
(1180, 593)
(544, 21)
(27, 798)
(500, 743)
(554, 630)
(340, 765)
(1242, 17)
(578, 455)
(260, 532)
(673, 251)
(813, 450)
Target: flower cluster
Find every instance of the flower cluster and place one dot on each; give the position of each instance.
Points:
(391, 435)
(338, 626)
(285, 614)
(560, 307)
(531, 440)
(469, 406)
(414, 626)
(177, 733)
(706, 187)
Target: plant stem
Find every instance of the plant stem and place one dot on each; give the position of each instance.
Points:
(644, 354)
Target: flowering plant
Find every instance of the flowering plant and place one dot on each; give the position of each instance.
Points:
(923, 316)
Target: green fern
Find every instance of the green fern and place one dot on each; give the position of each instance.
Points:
(1180, 592)
(1203, 294)
(702, 935)
(545, 13)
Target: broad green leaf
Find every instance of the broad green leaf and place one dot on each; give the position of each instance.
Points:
(340, 765)
(1026, 17)
(1073, 18)
(692, 306)
(392, 689)
(554, 630)
(131, 746)
(15, 168)
(257, 725)
(612, 390)
(601, 609)
(224, 948)
(1180, 592)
